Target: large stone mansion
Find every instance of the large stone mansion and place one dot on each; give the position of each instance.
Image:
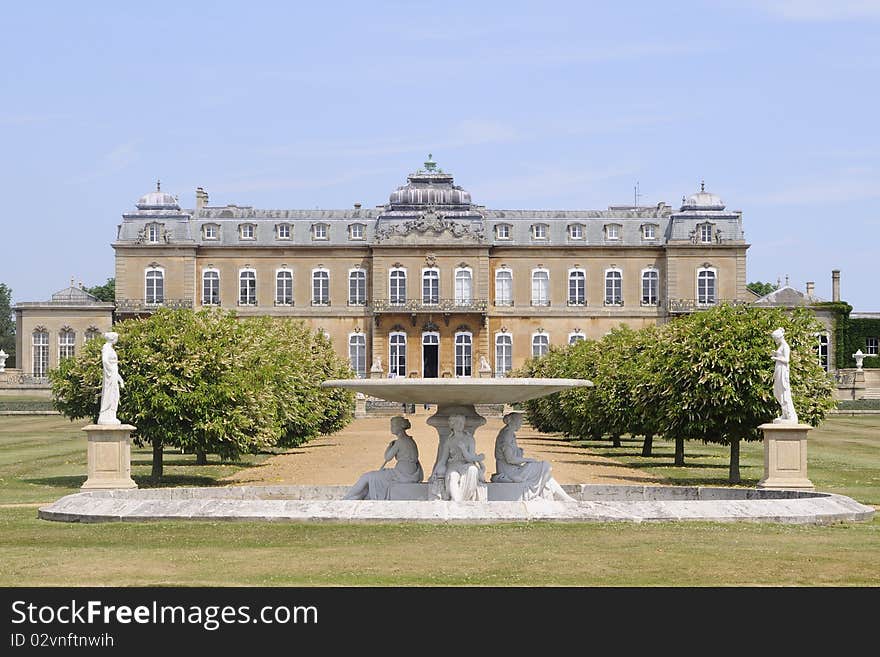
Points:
(428, 284)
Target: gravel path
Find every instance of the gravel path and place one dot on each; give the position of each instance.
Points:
(342, 457)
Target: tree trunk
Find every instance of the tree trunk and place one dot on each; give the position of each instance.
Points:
(615, 440)
(679, 451)
(648, 445)
(156, 474)
(201, 457)
(733, 476)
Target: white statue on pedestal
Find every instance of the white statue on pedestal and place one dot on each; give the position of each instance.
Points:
(859, 356)
(514, 468)
(3, 357)
(460, 466)
(484, 364)
(376, 485)
(112, 381)
(781, 383)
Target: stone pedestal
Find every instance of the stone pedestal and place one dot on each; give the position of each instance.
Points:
(360, 405)
(109, 456)
(785, 457)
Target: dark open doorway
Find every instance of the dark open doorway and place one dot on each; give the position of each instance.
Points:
(430, 361)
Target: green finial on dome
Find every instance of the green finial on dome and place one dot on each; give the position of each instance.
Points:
(430, 164)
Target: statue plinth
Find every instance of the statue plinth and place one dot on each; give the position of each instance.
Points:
(109, 456)
(785, 456)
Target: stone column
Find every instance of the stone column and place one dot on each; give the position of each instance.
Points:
(360, 405)
(109, 456)
(785, 457)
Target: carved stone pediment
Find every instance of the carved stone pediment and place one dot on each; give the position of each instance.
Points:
(431, 224)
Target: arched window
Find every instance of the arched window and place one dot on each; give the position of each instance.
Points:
(66, 344)
(154, 288)
(613, 287)
(540, 344)
(650, 287)
(397, 354)
(357, 354)
(284, 287)
(707, 286)
(503, 354)
(431, 286)
(41, 353)
(320, 287)
(463, 286)
(357, 287)
(397, 286)
(503, 287)
(577, 287)
(210, 287)
(247, 287)
(540, 287)
(463, 353)
(574, 338)
(91, 333)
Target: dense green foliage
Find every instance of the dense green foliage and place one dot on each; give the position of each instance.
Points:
(706, 376)
(105, 292)
(762, 289)
(208, 382)
(7, 324)
(854, 336)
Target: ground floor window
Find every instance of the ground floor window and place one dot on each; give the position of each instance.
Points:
(871, 346)
(41, 353)
(503, 354)
(540, 344)
(463, 352)
(357, 354)
(397, 354)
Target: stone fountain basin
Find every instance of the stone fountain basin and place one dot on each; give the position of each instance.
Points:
(596, 503)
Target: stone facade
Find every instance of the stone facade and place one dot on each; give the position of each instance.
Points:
(430, 281)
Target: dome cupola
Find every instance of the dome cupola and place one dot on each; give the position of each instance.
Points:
(702, 200)
(430, 186)
(157, 200)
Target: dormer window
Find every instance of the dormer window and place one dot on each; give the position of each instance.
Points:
(210, 232)
(649, 231)
(705, 233)
(612, 231)
(576, 231)
(247, 231)
(502, 231)
(282, 231)
(539, 231)
(153, 233)
(319, 232)
(356, 232)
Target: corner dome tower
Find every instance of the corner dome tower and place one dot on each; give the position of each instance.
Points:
(702, 200)
(157, 200)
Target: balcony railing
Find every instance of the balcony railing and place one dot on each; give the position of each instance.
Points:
(142, 305)
(693, 305)
(442, 306)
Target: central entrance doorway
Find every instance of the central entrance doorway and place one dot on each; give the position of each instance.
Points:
(430, 355)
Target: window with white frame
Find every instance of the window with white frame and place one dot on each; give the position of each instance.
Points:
(613, 287)
(320, 287)
(154, 285)
(576, 231)
(357, 354)
(577, 287)
(153, 233)
(705, 233)
(430, 286)
(650, 287)
(822, 350)
(502, 231)
(463, 286)
(66, 344)
(210, 287)
(574, 338)
(91, 333)
(247, 231)
(397, 286)
(540, 287)
(247, 287)
(503, 354)
(707, 286)
(41, 353)
(540, 344)
(503, 287)
(539, 231)
(284, 287)
(319, 232)
(397, 354)
(210, 231)
(463, 353)
(871, 346)
(356, 232)
(357, 287)
(282, 231)
(612, 231)
(649, 231)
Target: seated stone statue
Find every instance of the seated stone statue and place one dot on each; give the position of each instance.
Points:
(514, 468)
(460, 466)
(376, 485)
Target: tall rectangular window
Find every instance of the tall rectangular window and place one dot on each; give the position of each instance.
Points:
(431, 287)
(577, 288)
(357, 354)
(822, 350)
(503, 287)
(503, 354)
(357, 287)
(397, 354)
(155, 286)
(613, 287)
(397, 287)
(705, 233)
(320, 287)
(66, 345)
(247, 288)
(463, 286)
(284, 288)
(211, 288)
(650, 287)
(540, 344)
(540, 287)
(41, 353)
(153, 233)
(463, 353)
(706, 287)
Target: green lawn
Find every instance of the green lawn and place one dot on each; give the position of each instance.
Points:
(43, 458)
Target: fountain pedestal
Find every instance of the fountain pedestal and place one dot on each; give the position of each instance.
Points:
(109, 456)
(785, 457)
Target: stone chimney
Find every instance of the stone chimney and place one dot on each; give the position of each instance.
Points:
(811, 288)
(835, 285)
(201, 199)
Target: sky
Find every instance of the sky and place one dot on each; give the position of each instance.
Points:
(553, 105)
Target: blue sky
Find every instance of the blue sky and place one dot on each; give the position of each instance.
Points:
(530, 105)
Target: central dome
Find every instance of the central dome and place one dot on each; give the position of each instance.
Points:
(430, 186)
(157, 200)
